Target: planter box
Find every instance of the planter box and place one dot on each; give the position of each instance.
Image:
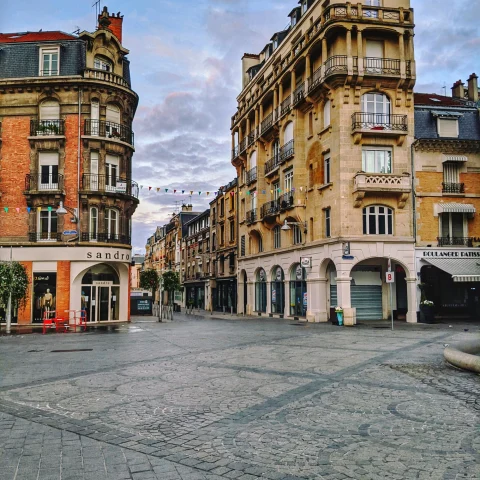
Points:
(427, 314)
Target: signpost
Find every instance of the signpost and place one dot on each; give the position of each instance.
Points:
(390, 278)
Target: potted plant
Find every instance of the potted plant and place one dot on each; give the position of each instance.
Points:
(426, 311)
(339, 313)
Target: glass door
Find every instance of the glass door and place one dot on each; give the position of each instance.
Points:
(104, 307)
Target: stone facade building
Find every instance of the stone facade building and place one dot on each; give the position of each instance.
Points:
(321, 142)
(66, 147)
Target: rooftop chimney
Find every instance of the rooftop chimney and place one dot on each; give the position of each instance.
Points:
(458, 89)
(113, 22)
(187, 208)
(473, 88)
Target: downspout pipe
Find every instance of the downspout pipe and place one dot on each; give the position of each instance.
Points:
(414, 203)
(79, 157)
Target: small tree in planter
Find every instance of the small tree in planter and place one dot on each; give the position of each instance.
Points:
(171, 284)
(149, 280)
(13, 285)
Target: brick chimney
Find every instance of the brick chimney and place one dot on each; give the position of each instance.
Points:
(458, 89)
(113, 22)
(187, 208)
(473, 88)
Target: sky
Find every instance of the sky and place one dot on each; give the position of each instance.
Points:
(185, 63)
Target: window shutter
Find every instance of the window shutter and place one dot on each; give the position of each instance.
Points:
(448, 127)
(242, 246)
(50, 110)
(48, 158)
(113, 114)
(451, 172)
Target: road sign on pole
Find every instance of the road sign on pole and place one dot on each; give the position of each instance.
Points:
(390, 277)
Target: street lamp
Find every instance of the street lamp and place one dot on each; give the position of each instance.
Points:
(286, 225)
(63, 210)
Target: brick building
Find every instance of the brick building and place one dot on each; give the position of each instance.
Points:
(321, 143)
(66, 146)
(446, 155)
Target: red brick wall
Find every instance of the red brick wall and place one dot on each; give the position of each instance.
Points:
(25, 311)
(63, 287)
(71, 168)
(15, 165)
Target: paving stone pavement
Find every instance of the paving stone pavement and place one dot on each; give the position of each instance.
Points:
(204, 398)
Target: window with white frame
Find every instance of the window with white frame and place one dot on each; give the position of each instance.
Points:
(328, 224)
(94, 223)
(102, 63)
(112, 121)
(111, 172)
(297, 235)
(288, 180)
(49, 61)
(49, 110)
(326, 169)
(277, 237)
(93, 171)
(377, 160)
(47, 221)
(48, 174)
(111, 223)
(377, 220)
(253, 196)
(451, 177)
(452, 225)
(276, 190)
(95, 118)
(375, 110)
(447, 127)
(326, 114)
(304, 6)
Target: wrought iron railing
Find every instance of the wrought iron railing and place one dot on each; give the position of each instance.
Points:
(285, 106)
(286, 200)
(47, 127)
(251, 216)
(286, 151)
(270, 208)
(453, 187)
(336, 63)
(106, 238)
(455, 241)
(299, 93)
(251, 175)
(408, 68)
(315, 79)
(243, 145)
(49, 73)
(106, 183)
(45, 237)
(252, 136)
(379, 121)
(272, 164)
(267, 123)
(382, 66)
(101, 128)
(44, 182)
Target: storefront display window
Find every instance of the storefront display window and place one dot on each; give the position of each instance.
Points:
(278, 290)
(298, 292)
(261, 291)
(44, 294)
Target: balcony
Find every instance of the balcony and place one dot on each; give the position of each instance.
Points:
(379, 124)
(386, 183)
(455, 188)
(285, 106)
(115, 131)
(299, 93)
(251, 176)
(108, 184)
(242, 146)
(104, 76)
(251, 216)
(235, 152)
(281, 157)
(44, 128)
(336, 64)
(106, 238)
(45, 237)
(274, 207)
(455, 242)
(286, 201)
(44, 183)
(271, 165)
(267, 123)
(252, 136)
(370, 13)
(381, 66)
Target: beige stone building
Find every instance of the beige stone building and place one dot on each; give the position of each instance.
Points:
(321, 141)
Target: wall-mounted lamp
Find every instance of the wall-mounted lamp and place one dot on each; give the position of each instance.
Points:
(63, 210)
(286, 225)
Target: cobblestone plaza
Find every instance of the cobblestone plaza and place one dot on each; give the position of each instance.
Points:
(204, 398)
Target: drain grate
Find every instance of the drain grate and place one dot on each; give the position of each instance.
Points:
(73, 350)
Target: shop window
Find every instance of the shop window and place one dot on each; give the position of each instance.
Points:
(298, 291)
(277, 291)
(261, 291)
(377, 220)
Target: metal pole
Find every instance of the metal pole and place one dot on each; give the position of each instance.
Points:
(391, 301)
(8, 317)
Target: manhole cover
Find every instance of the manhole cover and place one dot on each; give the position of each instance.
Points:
(73, 350)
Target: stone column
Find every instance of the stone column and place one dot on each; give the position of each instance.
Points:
(324, 56)
(286, 308)
(280, 93)
(269, 297)
(412, 300)
(344, 300)
(360, 61)
(294, 84)
(256, 121)
(275, 103)
(317, 300)
(308, 70)
(248, 126)
(250, 298)
(411, 54)
(349, 53)
(401, 49)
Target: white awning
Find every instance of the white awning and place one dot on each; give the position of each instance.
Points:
(455, 208)
(455, 158)
(461, 269)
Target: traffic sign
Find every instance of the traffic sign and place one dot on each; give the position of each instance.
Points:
(390, 277)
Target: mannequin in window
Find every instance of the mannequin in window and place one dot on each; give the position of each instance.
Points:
(47, 302)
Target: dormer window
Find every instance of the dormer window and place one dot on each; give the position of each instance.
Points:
(294, 20)
(275, 43)
(447, 123)
(101, 63)
(49, 61)
(304, 6)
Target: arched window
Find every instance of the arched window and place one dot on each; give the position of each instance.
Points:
(253, 160)
(94, 223)
(49, 110)
(375, 103)
(326, 114)
(288, 133)
(278, 290)
(102, 63)
(94, 118)
(261, 291)
(113, 113)
(298, 291)
(111, 224)
(277, 237)
(377, 220)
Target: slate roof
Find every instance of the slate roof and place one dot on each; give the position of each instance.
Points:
(23, 37)
(434, 100)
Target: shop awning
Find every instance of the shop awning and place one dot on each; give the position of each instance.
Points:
(454, 158)
(455, 208)
(461, 269)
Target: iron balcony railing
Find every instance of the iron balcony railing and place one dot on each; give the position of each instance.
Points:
(101, 128)
(379, 121)
(271, 165)
(45, 237)
(251, 175)
(337, 63)
(243, 145)
(270, 208)
(44, 182)
(49, 73)
(286, 201)
(252, 136)
(106, 238)
(455, 241)
(285, 106)
(453, 187)
(299, 93)
(47, 127)
(251, 216)
(382, 66)
(282, 156)
(106, 183)
(267, 123)
(315, 79)
(235, 151)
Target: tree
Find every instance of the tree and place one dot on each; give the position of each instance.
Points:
(171, 284)
(14, 281)
(149, 280)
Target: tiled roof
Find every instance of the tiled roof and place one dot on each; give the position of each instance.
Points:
(434, 100)
(23, 37)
